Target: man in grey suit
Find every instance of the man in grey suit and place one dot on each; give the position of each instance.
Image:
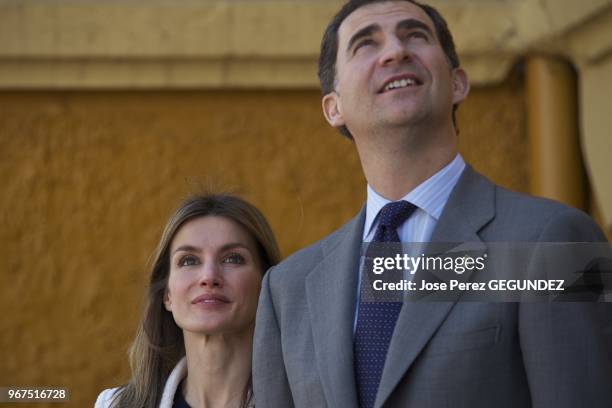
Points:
(391, 82)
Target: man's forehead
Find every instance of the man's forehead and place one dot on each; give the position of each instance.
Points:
(379, 13)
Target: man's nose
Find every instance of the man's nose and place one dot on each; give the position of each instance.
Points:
(210, 275)
(394, 51)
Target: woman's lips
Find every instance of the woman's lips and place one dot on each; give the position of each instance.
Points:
(210, 299)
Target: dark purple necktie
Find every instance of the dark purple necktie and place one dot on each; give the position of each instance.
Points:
(376, 320)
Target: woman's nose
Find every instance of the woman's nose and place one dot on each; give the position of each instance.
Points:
(211, 275)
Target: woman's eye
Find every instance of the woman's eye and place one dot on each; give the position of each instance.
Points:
(188, 261)
(234, 259)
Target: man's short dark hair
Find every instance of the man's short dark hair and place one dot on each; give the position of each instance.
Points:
(329, 45)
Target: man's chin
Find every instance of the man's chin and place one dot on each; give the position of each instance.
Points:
(404, 119)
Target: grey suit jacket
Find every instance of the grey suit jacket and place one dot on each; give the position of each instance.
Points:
(442, 354)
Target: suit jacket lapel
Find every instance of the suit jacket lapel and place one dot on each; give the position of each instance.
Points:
(470, 206)
(331, 293)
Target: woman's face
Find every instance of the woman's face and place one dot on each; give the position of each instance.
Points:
(215, 276)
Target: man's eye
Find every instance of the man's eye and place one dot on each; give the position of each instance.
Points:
(234, 259)
(188, 260)
(418, 34)
(362, 44)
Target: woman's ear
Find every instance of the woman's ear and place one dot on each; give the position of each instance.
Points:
(167, 301)
(332, 109)
(461, 85)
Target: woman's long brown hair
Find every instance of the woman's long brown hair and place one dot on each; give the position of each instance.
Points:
(159, 345)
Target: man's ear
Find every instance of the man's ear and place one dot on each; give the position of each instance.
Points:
(167, 301)
(461, 85)
(332, 109)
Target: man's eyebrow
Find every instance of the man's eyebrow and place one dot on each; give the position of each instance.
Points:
(411, 24)
(364, 32)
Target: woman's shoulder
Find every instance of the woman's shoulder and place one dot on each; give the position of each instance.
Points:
(106, 397)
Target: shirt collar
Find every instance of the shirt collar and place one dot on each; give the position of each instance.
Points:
(430, 196)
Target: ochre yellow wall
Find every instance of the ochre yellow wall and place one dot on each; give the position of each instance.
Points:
(88, 179)
(492, 133)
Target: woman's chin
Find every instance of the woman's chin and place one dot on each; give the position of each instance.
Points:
(221, 327)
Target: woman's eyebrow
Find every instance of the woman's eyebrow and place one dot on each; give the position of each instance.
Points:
(224, 247)
(232, 245)
(187, 248)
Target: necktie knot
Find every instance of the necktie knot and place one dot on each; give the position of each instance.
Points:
(394, 214)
